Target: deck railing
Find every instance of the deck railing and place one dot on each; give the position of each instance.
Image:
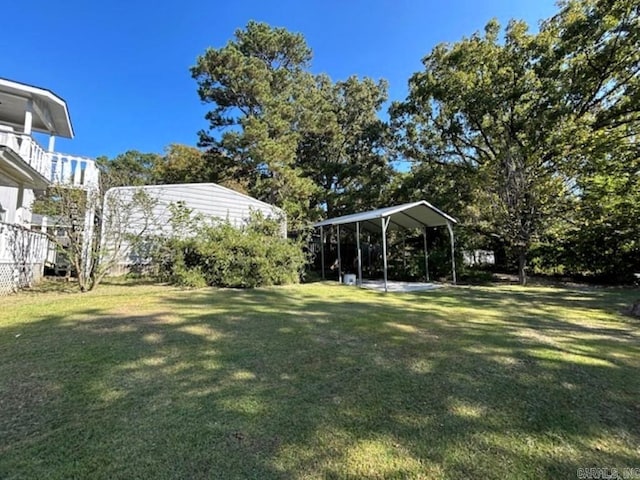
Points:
(20, 244)
(10, 139)
(35, 155)
(58, 168)
(73, 170)
(23, 254)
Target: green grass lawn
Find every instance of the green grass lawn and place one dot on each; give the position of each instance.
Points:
(318, 381)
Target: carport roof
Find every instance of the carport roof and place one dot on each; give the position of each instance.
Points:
(406, 216)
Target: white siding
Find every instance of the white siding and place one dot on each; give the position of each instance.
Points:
(9, 202)
(8, 199)
(208, 199)
(27, 204)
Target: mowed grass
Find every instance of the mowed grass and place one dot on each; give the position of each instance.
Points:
(318, 381)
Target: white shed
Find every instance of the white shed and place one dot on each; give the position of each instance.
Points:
(212, 201)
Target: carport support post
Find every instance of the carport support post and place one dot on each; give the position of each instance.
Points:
(359, 254)
(385, 224)
(369, 254)
(426, 253)
(453, 251)
(339, 258)
(404, 256)
(322, 250)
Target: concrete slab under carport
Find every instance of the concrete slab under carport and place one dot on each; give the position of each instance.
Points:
(400, 287)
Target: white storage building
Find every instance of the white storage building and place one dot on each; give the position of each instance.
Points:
(212, 201)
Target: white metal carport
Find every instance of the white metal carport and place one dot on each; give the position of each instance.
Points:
(407, 216)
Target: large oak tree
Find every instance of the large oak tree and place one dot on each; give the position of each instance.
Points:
(528, 112)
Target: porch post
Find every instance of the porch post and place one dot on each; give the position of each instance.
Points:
(426, 253)
(453, 251)
(20, 197)
(28, 117)
(322, 249)
(339, 257)
(384, 250)
(359, 254)
(52, 143)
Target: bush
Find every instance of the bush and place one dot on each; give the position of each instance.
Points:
(226, 256)
(189, 278)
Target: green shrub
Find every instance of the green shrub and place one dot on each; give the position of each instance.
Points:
(189, 278)
(226, 256)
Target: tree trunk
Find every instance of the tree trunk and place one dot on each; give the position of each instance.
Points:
(522, 268)
(95, 280)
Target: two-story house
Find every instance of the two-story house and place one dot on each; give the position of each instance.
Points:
(27, 170)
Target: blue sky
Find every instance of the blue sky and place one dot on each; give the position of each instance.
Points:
(123, 67)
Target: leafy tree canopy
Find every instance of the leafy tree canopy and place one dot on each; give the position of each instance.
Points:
(527, 113)
(287, 136)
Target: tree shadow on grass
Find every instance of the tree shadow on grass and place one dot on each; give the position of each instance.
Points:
(321, 382)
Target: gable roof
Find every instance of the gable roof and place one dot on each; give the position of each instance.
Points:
(405, 216)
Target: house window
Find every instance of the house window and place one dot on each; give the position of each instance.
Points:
(3, 214)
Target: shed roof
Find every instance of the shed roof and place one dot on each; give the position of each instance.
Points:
(405, 216)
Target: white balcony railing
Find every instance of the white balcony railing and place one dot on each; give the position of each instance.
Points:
(58, 168)
(10, 139)
(73, 170)
(23, 255)
(35, 155)
(21, 245)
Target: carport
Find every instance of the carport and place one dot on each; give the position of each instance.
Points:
(408, 216)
